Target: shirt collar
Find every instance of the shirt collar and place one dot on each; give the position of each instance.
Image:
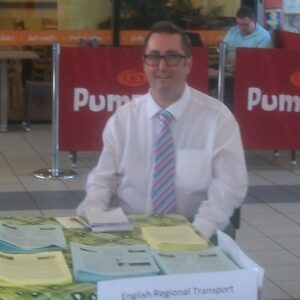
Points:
(176, 108)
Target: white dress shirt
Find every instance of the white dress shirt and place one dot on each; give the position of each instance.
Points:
(211, 177)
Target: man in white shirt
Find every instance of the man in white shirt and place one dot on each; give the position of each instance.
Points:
(210, 176)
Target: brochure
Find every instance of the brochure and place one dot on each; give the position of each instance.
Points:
(208, 260)
(72, 222)
(96, 263)
(174, 238)
(45, 268)
(31, 238)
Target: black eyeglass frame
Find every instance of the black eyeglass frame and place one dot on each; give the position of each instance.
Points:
(176, 57)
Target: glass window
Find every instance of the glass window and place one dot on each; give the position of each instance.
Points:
(53, 14)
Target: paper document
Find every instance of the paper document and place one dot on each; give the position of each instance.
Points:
(72, 222)
(208, 260)
(111, 220)
(31, 238)
(42, 268)
(174, 238)
(96, 263)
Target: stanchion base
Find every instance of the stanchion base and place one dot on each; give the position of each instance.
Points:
(49, 174)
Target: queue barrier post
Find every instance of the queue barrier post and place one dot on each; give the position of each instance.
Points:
(221, 73)
(55, 172)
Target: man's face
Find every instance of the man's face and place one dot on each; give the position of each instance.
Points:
(246, 25)
(166, 75)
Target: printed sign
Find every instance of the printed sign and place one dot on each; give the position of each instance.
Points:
(267, 97)
(233, 285)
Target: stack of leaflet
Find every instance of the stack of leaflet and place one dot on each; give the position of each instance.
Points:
(111, 220)
(96, 263)
(44, 268)
(208, 260)
(31, 238)
(174, 238)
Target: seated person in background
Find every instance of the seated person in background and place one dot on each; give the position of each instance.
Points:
(172, 150)
(246, 33)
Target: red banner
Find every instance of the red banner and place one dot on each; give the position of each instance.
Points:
(93, 82)
(287, 40)
(267, 98)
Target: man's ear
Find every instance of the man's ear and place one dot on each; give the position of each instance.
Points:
(189, 64)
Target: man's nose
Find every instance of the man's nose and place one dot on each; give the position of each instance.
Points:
(162, 63)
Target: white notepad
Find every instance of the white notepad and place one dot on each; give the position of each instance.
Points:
(111, 220)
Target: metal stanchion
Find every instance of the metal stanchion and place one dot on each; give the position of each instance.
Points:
(221, 75)
(55, 172)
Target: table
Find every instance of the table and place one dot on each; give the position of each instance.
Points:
(4, 56)
(80, 291)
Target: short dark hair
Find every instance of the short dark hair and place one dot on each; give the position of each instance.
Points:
(246, 11)
(171, 28)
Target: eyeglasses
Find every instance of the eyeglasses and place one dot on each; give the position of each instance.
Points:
(171, 59)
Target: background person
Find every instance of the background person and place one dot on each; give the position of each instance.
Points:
(246, 33)
(210, 173)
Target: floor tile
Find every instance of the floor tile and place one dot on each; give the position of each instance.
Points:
(256, 180)
(274, 218)
(273, 230)
(257, 244)
(278, 273)
(292, 286)
(271, 291)
(288, 242)
(23, 213)
(272, 194)
(18, 201)
(275, 257)
(55, 200)
(279, 177)
(286, 207)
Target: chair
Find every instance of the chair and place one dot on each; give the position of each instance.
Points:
(39, 86)
(235, 223)
(34, 89)
(235, 220)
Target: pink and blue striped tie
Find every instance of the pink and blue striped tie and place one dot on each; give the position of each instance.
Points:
(163, 189)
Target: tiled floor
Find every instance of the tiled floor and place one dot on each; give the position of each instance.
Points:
(270, 227)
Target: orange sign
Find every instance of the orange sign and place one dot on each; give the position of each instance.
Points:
(103, 37)
(50, 37)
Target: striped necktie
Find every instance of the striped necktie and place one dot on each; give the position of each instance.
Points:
(163, 189)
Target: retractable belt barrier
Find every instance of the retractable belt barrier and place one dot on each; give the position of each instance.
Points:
(267, 97)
